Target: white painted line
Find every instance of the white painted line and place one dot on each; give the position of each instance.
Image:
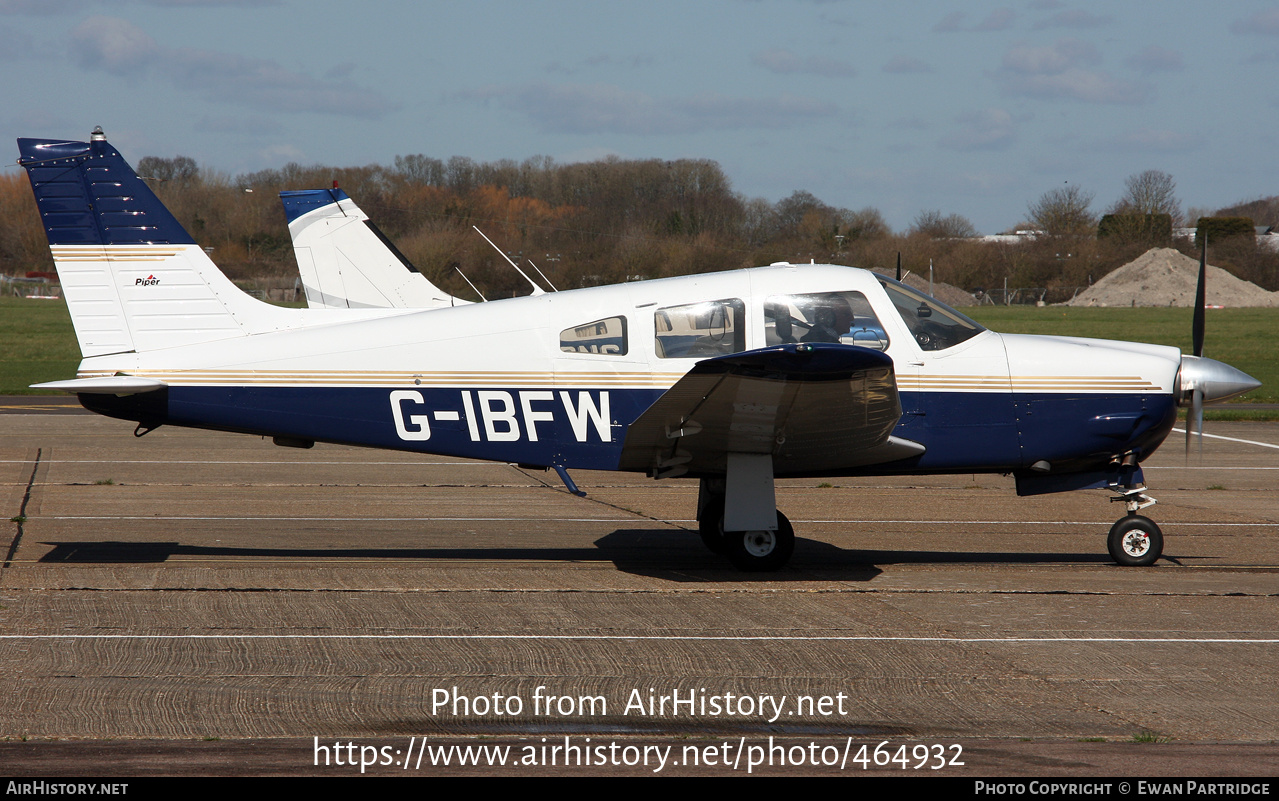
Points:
(466, 463)
(950, 522)
(348, 519)
(1213, 469)
(651, 637)
(1233, 439)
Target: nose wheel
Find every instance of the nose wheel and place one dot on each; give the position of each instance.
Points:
(1135, 541)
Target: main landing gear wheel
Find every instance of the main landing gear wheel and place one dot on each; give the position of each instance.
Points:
(1135, 541)
(759, 551)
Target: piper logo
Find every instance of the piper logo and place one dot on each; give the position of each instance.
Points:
(150, 280)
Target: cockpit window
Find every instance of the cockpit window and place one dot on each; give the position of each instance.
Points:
(844, 317)
(934, 325)
(700, 330)
(603, 337)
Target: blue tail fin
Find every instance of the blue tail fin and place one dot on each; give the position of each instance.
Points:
(89, 195)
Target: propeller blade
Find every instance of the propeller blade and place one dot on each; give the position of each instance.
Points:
(1195, 422)
(899, 265)
(1197, 326)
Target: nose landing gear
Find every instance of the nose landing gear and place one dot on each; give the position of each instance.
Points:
(1135, 540)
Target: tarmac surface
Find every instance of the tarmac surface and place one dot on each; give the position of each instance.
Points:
(198, 603)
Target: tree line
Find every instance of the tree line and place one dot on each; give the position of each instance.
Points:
(613, 220)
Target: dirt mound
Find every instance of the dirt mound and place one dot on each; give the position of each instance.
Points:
(947, 293)
(1165, 277)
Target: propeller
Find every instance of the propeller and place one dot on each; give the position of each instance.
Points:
(899, 266)
(1206, 380)
(1195, 417)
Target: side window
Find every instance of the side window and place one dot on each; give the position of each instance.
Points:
(604, 337)
(844, 317)
(700, 330)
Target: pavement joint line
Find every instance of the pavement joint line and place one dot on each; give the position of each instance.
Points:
(659, 637)
(22, 511)
(1232, 439)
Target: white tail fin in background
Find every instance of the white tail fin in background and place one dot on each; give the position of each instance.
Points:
(347, 263)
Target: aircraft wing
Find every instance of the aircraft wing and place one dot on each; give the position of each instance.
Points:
(815, 407)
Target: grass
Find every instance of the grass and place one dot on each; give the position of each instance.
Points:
(38, 344)
(1242, 338)
(1148, 736)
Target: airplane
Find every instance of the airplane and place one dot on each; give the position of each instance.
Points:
(732, 378)
(345, 260)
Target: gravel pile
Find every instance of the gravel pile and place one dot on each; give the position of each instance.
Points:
(1166, 277)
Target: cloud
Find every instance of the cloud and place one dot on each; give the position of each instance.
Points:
(906, 64)
(118, 47)
(48, 8)
(1058, 57)
(1263, 22)
(16, 45)
(40, 8)
(603, 108)
(986, 129)
(247, 126)
(951, 22)
(1060, 71)
(999, 20)
(209, 3)
(1076, 18)
(1156, 59)
(784, 62)
(596, 62)
(113, 45)
(1152, 140)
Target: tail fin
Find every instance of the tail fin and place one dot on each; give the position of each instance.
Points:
(133, 278)
(346, 262)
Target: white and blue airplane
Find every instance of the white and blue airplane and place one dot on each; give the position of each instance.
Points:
(346, 262)
(732, 378)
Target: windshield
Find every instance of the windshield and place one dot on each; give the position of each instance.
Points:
(934, 325)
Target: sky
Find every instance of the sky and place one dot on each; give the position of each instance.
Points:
(967, 108)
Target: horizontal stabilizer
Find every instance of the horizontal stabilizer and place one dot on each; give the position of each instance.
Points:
(814, 407)
(105, 385)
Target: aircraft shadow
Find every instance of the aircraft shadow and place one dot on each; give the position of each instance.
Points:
(669, 555)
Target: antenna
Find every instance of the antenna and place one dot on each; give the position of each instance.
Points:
(544, 278)
(537, 290)
(333, 193)
(467, 280)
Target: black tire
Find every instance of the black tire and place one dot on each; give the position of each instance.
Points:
(710, 526)
(761, 551)
(1135, 541)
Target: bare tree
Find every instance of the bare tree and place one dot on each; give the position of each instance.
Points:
(867, 223)
(178, 168)
(1149, 192)
(1064, 212)
(932, 224)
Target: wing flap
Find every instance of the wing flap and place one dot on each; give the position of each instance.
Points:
(813, 407)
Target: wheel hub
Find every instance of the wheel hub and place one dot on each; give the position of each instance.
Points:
(1136, 543)
(759, 543)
